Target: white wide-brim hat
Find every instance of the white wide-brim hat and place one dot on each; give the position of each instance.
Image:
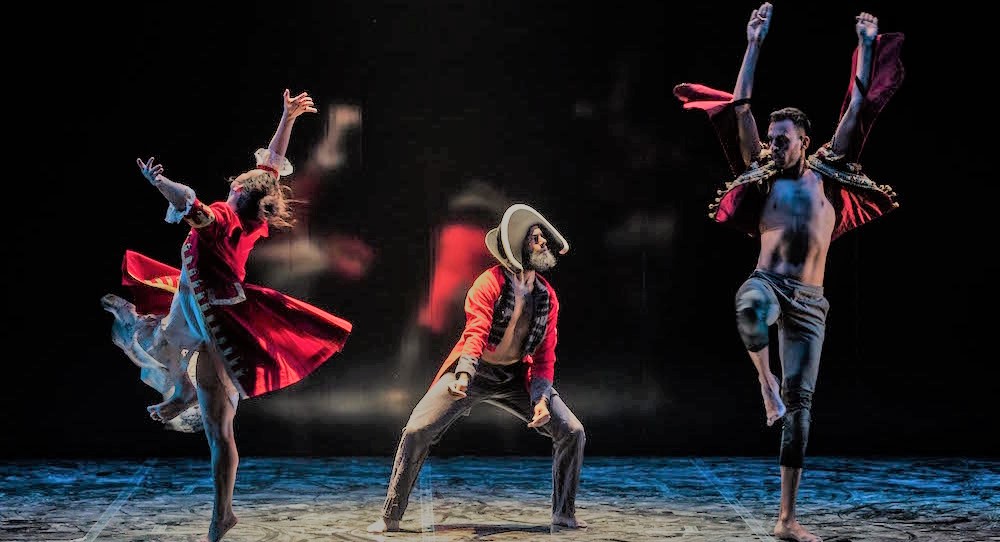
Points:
(278, 165)
(506, 240)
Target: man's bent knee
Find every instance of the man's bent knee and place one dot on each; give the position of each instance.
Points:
(752, 327)
(796, 398)
(420, 435)
(577, 434)
(755, 311)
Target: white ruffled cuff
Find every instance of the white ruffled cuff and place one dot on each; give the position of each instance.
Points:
(175, 215)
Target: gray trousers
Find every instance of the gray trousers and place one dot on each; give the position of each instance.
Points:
(799, 310)
(501, 386)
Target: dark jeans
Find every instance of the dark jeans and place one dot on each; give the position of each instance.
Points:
(800, 312)
(501, 386)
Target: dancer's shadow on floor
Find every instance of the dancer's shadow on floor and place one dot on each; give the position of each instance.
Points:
(490, 530)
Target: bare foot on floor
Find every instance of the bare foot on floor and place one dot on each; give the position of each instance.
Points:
(773, 406)
(570, 522)
(383, 525)
(184, 396)
(219, 528)
(793, 530)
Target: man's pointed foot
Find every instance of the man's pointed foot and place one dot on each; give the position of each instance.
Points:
(219, 528)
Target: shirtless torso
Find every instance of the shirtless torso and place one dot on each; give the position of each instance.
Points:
(796, 227)
(511, 351)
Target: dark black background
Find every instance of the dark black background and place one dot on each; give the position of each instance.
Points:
(649, 357)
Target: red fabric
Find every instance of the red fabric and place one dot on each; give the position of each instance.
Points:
(740, 207)
(223, 247)
(715, 103)
(281, 338)
(348, 256)
(460, 255)
(857, 207)
(887, 76)
(152, 298)
(698, 96)
(277, 339)
(479, 305)
(270, 169)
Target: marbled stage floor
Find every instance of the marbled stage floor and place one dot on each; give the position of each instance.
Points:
(500, 499)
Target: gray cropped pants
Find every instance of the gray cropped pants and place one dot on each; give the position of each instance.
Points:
(799, 310)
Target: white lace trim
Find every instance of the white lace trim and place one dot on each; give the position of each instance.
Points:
(175, 215)
(240, 296)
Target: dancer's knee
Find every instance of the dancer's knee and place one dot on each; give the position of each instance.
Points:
(219, 435)
(796, 398)
(418, 434)
(566, 431)
(217, 414)
(576, 434)
(752, 327)
(755, 311)
(573, 436)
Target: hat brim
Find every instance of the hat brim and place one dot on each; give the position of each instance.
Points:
(493, 246)
(278, 162)
(505, 241)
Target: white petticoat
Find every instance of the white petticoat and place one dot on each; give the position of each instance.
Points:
(166, 347)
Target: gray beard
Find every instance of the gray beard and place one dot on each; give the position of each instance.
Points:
(541, 261)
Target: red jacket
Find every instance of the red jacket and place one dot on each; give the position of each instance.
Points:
(479, 307)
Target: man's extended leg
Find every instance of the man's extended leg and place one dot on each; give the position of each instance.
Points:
(429, 420)
(788, 527)
(801, 333)
(568, 442)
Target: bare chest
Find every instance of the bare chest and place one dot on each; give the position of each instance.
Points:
(512, 351)
(797, 203)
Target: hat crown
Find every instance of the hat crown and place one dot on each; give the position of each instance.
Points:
(506, 240)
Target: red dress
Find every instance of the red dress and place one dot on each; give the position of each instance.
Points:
(268, 340)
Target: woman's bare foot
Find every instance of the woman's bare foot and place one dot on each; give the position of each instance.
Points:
(219, 527)
(382, 525)
(773, 407)
(184, 396)
(570, 522)
(793, 530)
